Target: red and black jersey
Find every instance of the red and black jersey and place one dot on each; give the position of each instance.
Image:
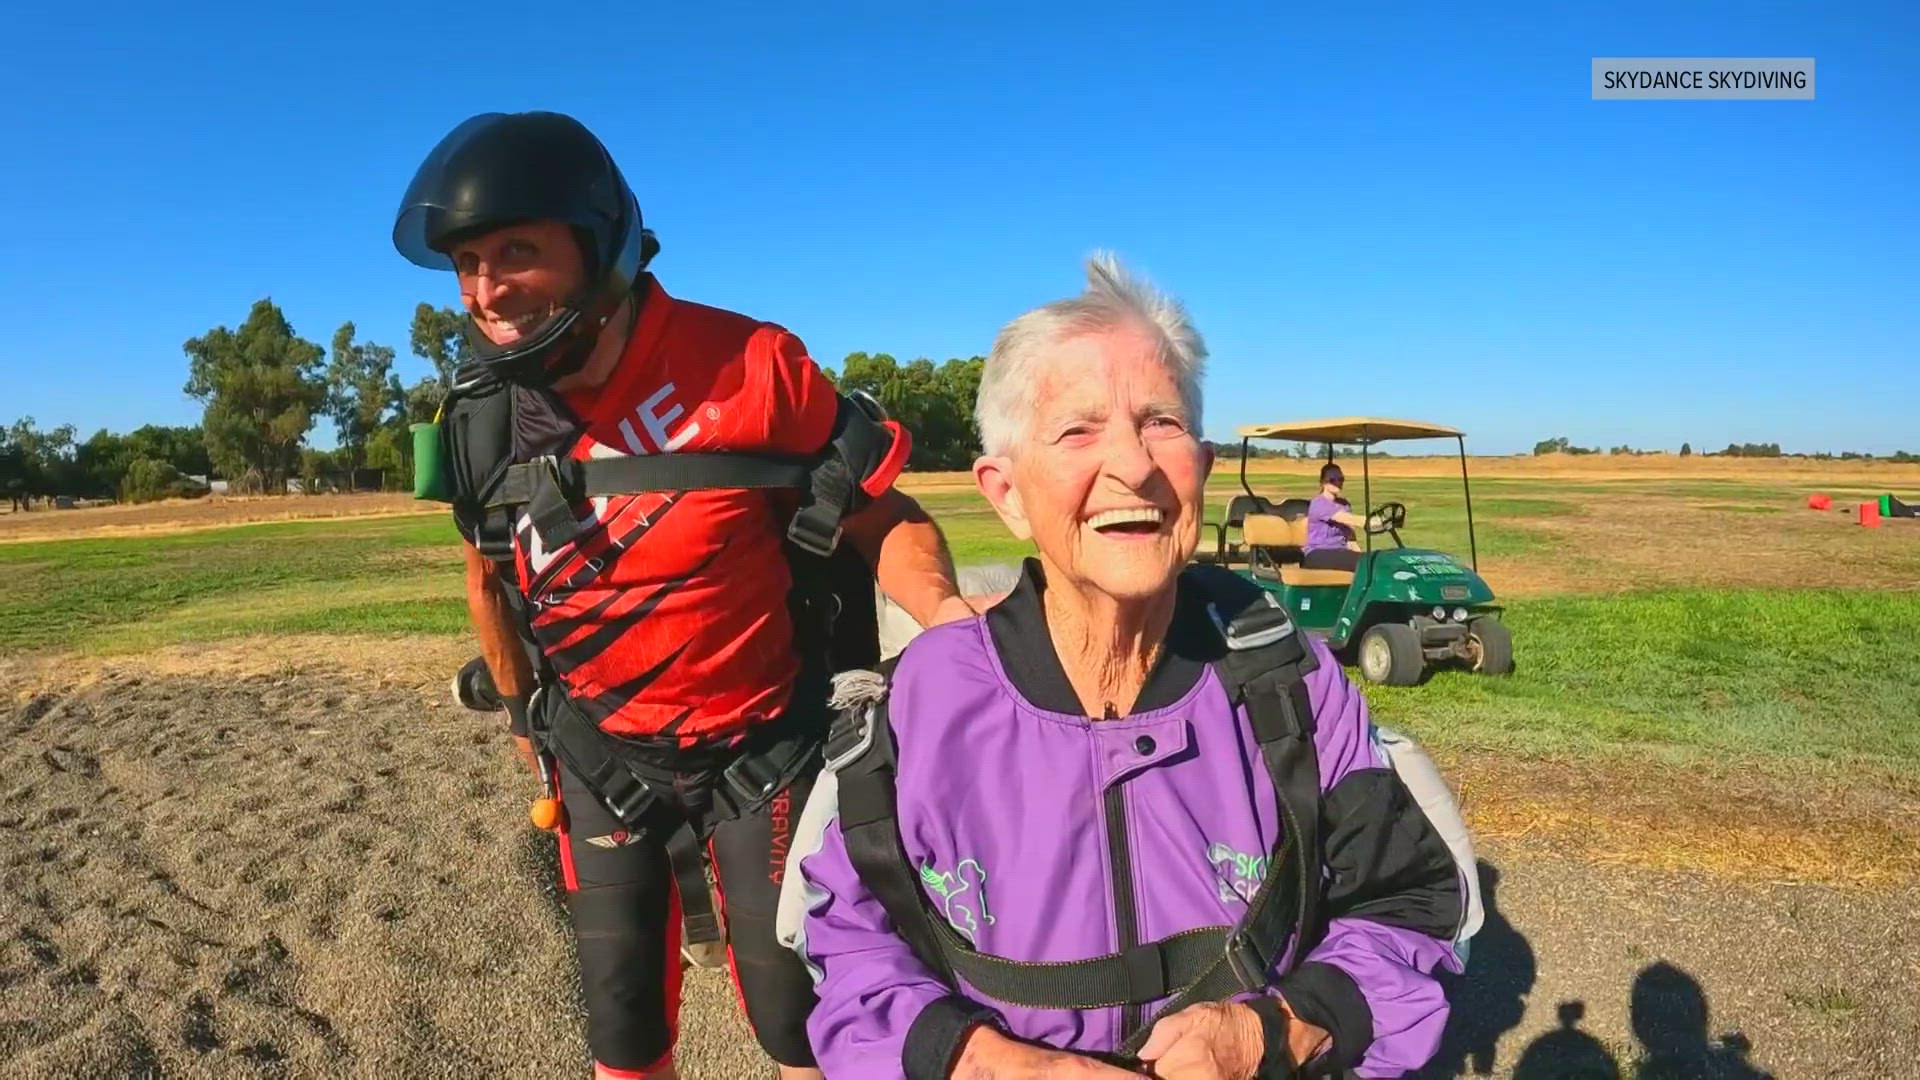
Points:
(666, 617)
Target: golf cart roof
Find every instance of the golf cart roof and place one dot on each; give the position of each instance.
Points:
(1348, 429)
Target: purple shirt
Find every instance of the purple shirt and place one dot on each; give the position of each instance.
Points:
(1323, 532)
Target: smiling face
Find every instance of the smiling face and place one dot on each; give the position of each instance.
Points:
(1109, 479)
(514, 278)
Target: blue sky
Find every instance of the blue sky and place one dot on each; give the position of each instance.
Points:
(1397, 209)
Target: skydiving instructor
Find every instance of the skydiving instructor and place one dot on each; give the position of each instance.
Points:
(653, 496)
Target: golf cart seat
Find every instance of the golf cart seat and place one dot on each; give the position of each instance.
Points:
(1284, 540)
(1292, 509)
(1238, 508)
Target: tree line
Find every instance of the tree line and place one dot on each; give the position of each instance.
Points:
(1561, 445)
(263, 388)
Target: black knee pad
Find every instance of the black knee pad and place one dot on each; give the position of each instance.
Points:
(627, 976)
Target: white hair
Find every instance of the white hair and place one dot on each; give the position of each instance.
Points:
(1113, 299)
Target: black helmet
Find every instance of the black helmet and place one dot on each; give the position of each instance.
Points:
(497, 169)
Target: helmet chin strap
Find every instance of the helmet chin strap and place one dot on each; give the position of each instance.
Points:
(545, 363)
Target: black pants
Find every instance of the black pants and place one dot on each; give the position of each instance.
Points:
(626, 921)
(1330, 559)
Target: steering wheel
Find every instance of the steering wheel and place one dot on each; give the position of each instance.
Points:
(1388, 518)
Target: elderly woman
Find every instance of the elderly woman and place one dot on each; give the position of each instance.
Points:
(1127, 822)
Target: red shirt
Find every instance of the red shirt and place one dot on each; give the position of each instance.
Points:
(667, 617)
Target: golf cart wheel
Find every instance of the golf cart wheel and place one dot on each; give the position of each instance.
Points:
(1390, 655)
(1490, 646)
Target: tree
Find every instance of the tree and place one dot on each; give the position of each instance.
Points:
(262, 387)
(185, 448)
(440, 336)
(149, 479)
(41, 464)
(1686, 449)
(361, 393)
(101, 462)
(935, 404)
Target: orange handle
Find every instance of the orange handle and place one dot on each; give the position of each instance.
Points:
(546, 813)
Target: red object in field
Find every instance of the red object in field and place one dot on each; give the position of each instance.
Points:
(1819, 502)
(1870, 514)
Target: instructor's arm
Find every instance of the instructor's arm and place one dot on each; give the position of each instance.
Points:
(493, 623)
(909, 557)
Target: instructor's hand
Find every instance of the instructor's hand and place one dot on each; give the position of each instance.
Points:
(964, 607)
(952, 609)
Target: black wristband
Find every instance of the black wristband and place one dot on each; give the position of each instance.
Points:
(1276, 1060)
(516, 714)
(935, 1037)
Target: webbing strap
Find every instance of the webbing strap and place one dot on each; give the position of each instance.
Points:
(871, 831)
(700, 923)
(746, 784)
(1267, 681)
(656, 472)
(1202, 963)
(1264, 674)
(583, 746)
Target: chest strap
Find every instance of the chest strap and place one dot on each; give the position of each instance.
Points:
(1204, 964)
(549, 485)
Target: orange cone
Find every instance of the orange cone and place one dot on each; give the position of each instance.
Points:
(1870, 514)
(1819, 502)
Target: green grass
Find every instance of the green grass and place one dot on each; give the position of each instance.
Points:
(1777, 674)
(279, 577)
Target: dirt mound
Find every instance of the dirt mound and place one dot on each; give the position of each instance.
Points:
(284, 874)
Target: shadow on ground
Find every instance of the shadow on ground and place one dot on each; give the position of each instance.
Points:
(1670, 1019)
(1489, 1000)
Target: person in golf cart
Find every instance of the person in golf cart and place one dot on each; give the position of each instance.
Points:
(652, 494)
(1130, 820)
(1330, 526)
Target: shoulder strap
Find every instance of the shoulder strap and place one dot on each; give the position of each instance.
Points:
(1264, 673)
(1202, 964)
(476, 434)
(863, 457)
(860, 752)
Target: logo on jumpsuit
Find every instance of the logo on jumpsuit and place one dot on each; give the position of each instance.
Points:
(617, 838)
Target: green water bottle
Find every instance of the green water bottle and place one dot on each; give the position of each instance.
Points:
(429, 471)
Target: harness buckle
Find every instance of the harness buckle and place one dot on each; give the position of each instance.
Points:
(1244, 958)
(749, 783)
(1255, 628)
(848, 738)
(813, 536)
(624, 795)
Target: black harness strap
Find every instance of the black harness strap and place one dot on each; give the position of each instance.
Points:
(657, 472)
(748, 783)
(549, 485)
(490, 488)
(1263, 672)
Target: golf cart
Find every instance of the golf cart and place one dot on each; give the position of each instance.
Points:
(1401, 608)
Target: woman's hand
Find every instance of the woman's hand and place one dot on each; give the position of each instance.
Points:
(1209, 1041)
(989, 1055)
(1220, 1041)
